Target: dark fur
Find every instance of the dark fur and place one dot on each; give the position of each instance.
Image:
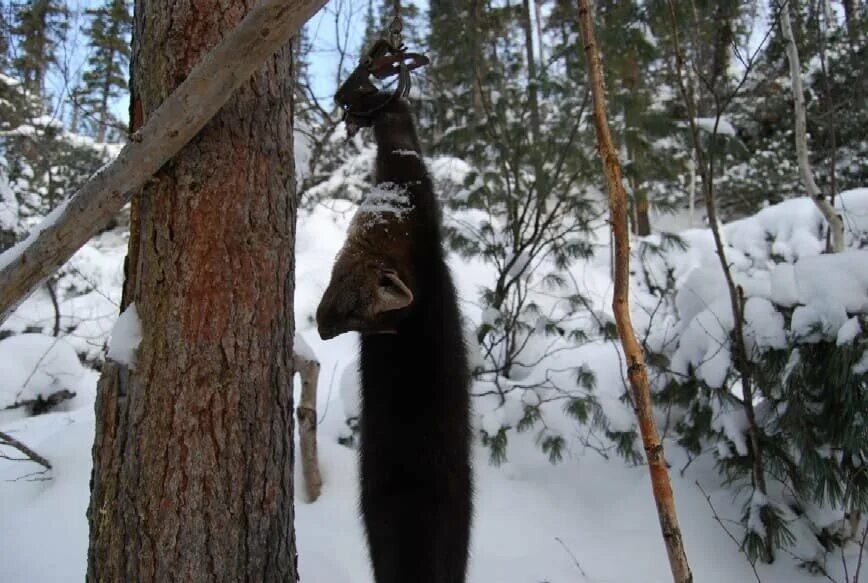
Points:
(415, 436)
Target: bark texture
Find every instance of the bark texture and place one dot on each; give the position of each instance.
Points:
(193, 456)
(179, 118)
(636, 370)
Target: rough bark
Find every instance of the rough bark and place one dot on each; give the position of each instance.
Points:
(192, 475)
(636, 370)
(836, 224)
(200, 93)
(308, 370)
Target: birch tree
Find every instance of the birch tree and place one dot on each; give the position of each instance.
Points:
(836, 224)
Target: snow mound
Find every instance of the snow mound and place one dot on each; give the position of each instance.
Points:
(351, 390)
(34, 365)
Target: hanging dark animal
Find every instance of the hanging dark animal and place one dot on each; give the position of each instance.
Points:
(391, 283)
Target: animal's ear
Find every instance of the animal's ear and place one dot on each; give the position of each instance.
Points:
(392, 293)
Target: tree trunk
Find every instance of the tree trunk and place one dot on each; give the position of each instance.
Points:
(477, 60)
(193, 457)
(643, 218)
(533, 102)
(636, 370)
(850, 21)
(836, 224)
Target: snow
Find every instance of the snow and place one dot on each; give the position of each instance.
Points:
(410, 153)
(302, 348)
(490, 316)
(754, 522)
(14, 253)
(384, 203)
(126, 337)
(764, 326)
(531, 517)
(730, 419)
(9, 81)
(776, 257)
(351, 391)
(834, 279)
(33, 365)
(724, 127)
(861, 367)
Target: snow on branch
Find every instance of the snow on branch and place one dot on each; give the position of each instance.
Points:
(268, 26)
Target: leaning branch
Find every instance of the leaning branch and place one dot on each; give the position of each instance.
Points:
(168, 129)
(636, 370)
(836, 224)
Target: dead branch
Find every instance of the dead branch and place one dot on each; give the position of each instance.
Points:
(41, 404)
(567, 549)
(751, 562)
(8, 440)
(209, 85)
(636, 369)
(308, 369)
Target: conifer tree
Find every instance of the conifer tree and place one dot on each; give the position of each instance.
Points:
(641, 112)
(39, 28)
(105, 77)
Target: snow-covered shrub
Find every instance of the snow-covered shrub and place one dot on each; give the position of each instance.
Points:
(806, 335)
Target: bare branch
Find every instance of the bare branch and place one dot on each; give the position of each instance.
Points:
(636, 369)
(8, 440)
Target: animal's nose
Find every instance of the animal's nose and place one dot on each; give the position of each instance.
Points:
(324, 324)
(327, 332)
(329, 322)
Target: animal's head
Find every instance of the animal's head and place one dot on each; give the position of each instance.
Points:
(364, 295)
(372, 284)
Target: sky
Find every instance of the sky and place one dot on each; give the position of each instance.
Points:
(337, 28)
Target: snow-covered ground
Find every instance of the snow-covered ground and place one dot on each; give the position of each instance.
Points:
(585, 519)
